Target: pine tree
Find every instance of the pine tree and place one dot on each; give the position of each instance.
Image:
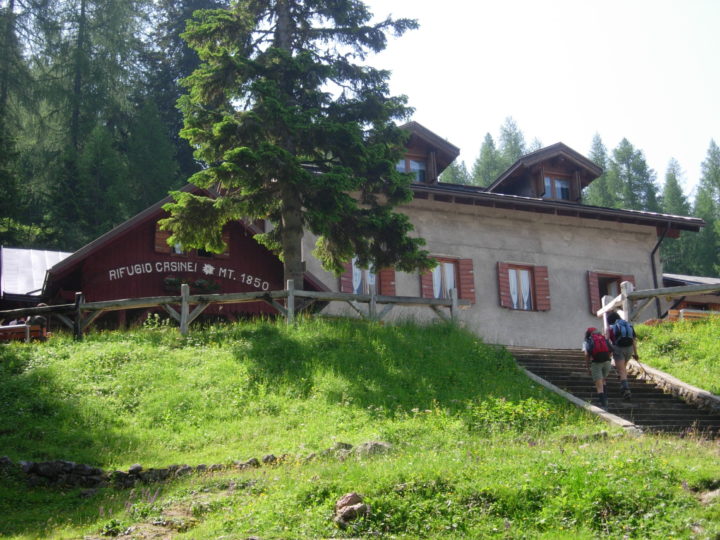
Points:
(598, 192)
(152, 168)
(675, 252)
(169, 60)
(488, 165)
(512, 142)
(290, 121)
(705, 245)
(455, 173)
(630, 180)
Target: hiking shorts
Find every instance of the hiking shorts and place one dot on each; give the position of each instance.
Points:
(599, 370)
(622, 353)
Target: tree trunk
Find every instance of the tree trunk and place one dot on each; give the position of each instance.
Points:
(9, 52)
(77, 79)
(291, 236)
(291, 213)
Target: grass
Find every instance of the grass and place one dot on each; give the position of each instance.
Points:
(688, 350)
(478, 450)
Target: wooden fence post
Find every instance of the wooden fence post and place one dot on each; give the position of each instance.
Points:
(372, 306)
(77, 323)
(454, 305)
(184, 308)
(626, 288)
(291, 301)
(605, 301)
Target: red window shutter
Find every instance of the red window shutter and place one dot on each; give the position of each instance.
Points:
(466, 283)
(161, 245)
(386, 279)
(346, 279)
(594, 292)
(426, 285)
(504, 285)
(542, 288)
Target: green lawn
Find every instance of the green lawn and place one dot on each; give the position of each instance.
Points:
(688, 350)
(478, 449)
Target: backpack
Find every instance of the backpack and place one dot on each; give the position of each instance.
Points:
(598, 348)
(623, 332)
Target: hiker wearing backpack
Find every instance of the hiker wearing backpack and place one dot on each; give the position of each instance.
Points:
(597, 361)
(622, 336)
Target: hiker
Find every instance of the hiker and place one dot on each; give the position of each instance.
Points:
(597, 361)
(622, 336)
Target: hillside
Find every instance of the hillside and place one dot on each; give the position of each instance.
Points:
(471, 447)
(689, 350)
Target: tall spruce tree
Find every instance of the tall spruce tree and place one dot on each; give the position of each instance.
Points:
(675, 252)
(488, 165)
(456, 173)
(296, 128)
(630, 180)
(598, 193)
(512, 142)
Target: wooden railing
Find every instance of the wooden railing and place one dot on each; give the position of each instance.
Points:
(632, 302)
(80, 315)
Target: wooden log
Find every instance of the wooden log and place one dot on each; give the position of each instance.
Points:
(672, 292)
(290, 301)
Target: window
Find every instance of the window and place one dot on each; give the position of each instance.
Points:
(447, 275)
(415, 166)
(557, 188)
(604, 284)
(362, 279)
(523, 287)
(358, 280)
(444, 278)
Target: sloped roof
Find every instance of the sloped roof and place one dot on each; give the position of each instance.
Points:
(689, 280)
(543, 154)
(446, 152)
(22, 271)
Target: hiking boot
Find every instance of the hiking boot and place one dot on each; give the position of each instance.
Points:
(603, 401)
(627, 394)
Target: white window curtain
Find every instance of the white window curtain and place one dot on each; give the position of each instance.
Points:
(362, 279)
(525, 284)
(449, 275)
(437, 281)
(512, 274)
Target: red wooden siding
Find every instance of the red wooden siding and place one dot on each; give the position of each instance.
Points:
(140, 264)
(542, 288)
(161, 245)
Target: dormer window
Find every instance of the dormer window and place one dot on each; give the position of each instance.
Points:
(557, 187)
(414, 166)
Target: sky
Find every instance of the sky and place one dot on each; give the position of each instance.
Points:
(564, 70)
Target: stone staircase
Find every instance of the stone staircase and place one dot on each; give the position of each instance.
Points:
(650, 409)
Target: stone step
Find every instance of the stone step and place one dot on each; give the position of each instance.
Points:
(650, 407)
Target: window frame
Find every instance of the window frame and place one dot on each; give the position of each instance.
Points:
(517, 269)
(444, 290)
(553, 179)
(539, 286)
(595, 293)
(419, 174)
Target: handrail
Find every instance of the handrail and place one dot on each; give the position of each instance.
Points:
(201, 301)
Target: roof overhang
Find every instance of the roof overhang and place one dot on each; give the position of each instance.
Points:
(469, 195)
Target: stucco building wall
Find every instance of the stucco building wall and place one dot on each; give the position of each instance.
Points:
(568, 246)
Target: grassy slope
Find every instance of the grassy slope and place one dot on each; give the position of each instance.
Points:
(478, 450)
(689, 350)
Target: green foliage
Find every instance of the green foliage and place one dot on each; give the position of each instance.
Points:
(456, 173)
(675, 252)
(294, 129)
(687, 350)
(631, 180)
